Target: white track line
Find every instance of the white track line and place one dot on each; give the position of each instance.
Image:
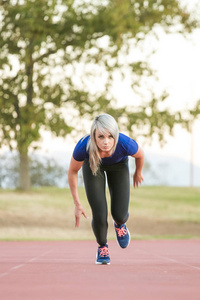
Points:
(22, 265)
(178, 262)
(171, 259)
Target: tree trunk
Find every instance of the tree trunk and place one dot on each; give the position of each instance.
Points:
(24, 181)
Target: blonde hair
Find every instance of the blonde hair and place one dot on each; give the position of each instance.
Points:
(104, 123)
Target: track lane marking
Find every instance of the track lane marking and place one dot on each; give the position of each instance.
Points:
(170, 259)
(24, 264)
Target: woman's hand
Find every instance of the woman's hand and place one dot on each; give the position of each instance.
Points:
(137, 178)
(73, 184)
(79, 211)
(139, 162)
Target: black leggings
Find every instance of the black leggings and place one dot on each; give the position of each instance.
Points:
(119, 187)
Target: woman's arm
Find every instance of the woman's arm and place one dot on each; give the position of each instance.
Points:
(139, 162)
(73, 184)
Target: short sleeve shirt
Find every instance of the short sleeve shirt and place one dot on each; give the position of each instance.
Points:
(125, 147)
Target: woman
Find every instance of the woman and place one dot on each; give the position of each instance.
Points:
(105, 151)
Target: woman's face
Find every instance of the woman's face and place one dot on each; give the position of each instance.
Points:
(104, 141)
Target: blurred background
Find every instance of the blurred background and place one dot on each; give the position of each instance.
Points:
(63, 62)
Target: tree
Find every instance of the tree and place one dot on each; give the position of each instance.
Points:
(50, 52)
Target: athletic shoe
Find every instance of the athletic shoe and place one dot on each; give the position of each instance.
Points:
(123, 235)
(103, 257)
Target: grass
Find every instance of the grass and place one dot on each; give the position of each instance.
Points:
(48, 214)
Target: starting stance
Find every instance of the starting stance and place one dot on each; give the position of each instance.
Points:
(105, 151)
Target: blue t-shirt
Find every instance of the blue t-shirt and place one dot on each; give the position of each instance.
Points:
(125, 146)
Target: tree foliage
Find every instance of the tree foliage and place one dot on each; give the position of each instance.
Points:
(58, 59)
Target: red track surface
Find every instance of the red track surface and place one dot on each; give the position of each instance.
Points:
(158, 270)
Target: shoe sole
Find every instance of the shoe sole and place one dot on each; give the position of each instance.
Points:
(102, 263)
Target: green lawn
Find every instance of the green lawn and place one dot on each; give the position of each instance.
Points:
(47, 214)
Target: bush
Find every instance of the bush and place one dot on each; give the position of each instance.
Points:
(44, 171)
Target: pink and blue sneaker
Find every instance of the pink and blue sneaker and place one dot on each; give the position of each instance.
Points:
(103, 257)
(123, 235)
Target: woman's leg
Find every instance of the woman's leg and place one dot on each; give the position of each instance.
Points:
(95, 191)
(119, 187)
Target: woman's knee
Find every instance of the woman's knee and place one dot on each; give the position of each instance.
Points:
(120, 218)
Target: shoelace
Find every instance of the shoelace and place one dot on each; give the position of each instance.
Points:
(121, 231)
(104, 251)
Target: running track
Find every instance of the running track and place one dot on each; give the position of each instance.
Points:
(157, 270)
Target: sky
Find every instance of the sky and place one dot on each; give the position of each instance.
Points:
(177, 62)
